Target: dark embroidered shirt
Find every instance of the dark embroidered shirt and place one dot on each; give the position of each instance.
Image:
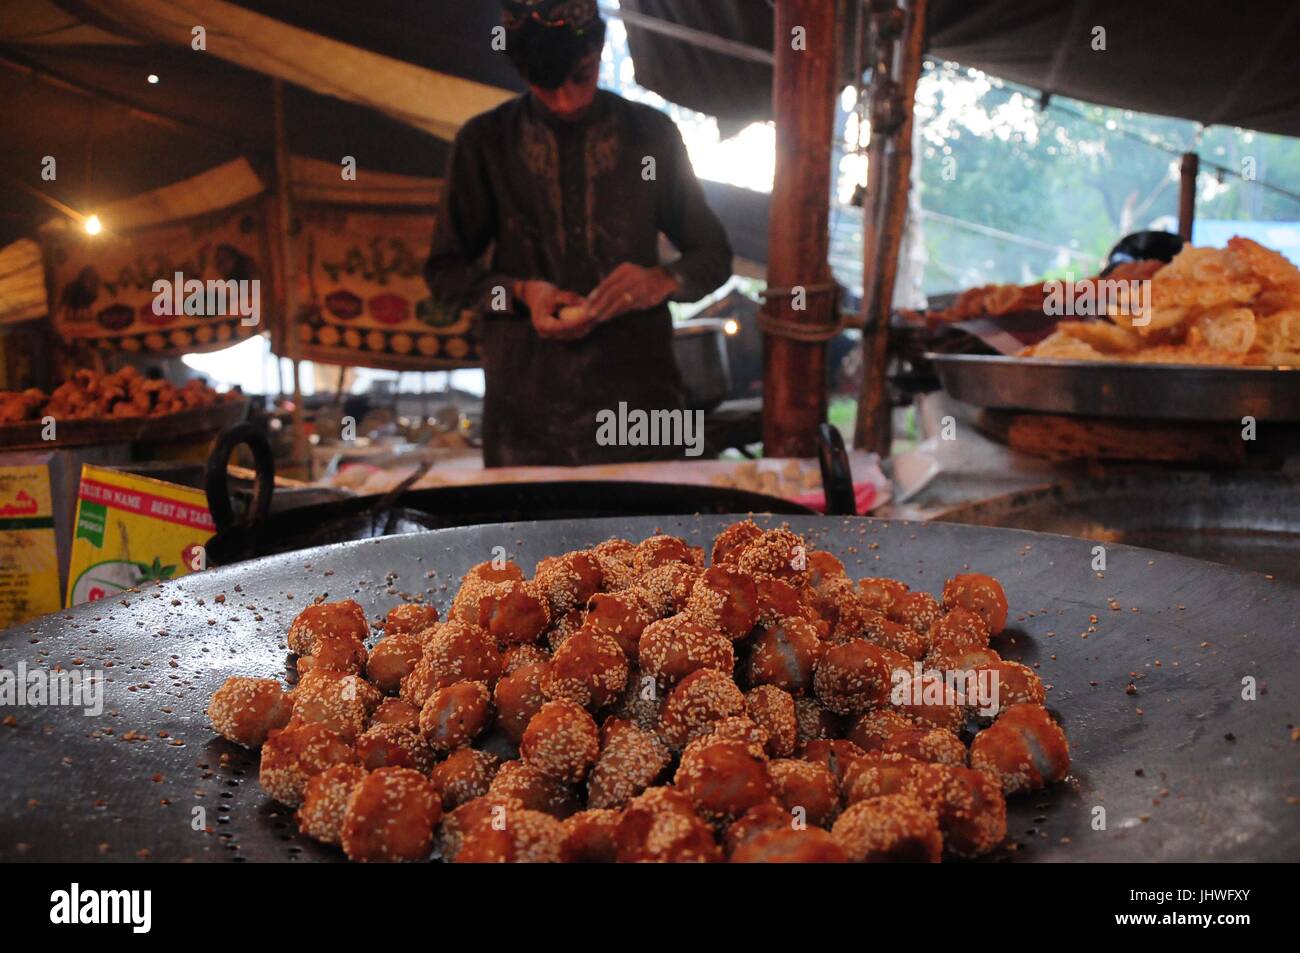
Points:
(537, 197)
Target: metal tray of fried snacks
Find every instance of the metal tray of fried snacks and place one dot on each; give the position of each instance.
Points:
(1133, 390)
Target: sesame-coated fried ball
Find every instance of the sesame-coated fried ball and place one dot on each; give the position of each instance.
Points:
(916, 610)
(724, 779)
(589, 837)
(778, 553)
(517, 697)
(409, 618)
(642, 702)
(589, 669)
(785, 654)
(561, 741)
(877, 774)
(728, 544)
(957, 631)
(767, 816)
(458, 652)
(514, 613)
(325, 802)
(673, 648)
(293, 756)
(334, 652)
(979, 593)
(926, 744)
(700, 699)
(534, 837)
(881, 593)
(481, 822)
(466, 774)
(456, 715)
(562, 628)
(972, 813)
(493, 571)
(345, 618)
(395, 712)
(855, 676)
(657, 551)
(538, 791)
(835, 755)
(824, 567)
(815, 722)
(660, 826)
(1017, 684)
(873, 728)
(384, 746)
(244, 710)
(394, 658)
(622, 616)
(807, 786)
(723, 600)
(894, 828)
(1024, 750)
(734, 728)
(568, 581)
(517, 656)
(877, 629)
(631, 759)
(779, 601)
(788, 845)
(773, 709)
(667, 589)
(391, 816)
(342, 703)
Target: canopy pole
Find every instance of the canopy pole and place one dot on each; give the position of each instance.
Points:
(288, 270)
(897, 42)
(1188, 170)
(798, 271)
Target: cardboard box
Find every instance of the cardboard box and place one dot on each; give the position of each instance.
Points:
(29, 561)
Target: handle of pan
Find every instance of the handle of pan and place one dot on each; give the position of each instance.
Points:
(837, 475)
(216, 483)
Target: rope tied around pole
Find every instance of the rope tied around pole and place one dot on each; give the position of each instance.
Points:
(769, 322)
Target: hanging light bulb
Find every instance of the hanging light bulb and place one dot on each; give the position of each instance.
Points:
(93, 225)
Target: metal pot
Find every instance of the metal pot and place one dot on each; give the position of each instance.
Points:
(701, 350)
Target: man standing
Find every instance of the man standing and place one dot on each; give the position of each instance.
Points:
(565, 190)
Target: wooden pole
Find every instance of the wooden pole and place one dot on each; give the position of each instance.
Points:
(288, 270)
(1190, 166)
(897, 44)
(803, 105)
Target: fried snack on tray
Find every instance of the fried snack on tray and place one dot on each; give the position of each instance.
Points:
(89, 393)
(770, 718)
(1233, 306)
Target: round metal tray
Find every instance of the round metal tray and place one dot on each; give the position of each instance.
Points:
(1184, 769)
(1100, 389)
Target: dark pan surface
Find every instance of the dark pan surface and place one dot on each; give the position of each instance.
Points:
(1199, 774)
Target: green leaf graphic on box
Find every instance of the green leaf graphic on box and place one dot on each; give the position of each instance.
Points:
(91, 521)
(155, 572)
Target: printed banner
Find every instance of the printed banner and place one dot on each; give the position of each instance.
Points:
(363, 300)
(29, 562)
(197, 285)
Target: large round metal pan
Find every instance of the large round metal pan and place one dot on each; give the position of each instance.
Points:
(1181, 767)
(1100, 389)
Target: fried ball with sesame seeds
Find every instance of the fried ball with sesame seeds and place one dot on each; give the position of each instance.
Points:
(293, 756)
(589, 837)
(656, 551)
(736, 728)
(458, 652)
(245, 710)
(667, 589)
(784, 654)
(873, 728)
(824, 567)
(835, 755)
(815, 722)
(881, 593)
(979, 593)
(894, 828)
(779, 601)
(334, 652)
(673, 648)
(561, 741)
(1017, 684)
(409, 618)
(589, 669)
(916, 610)
(930, 701)
(325, 802)
(661, 826)
(384, 746)
(957, 631)
(562, 629)
(767, 816)
(482, 819)
(790, 846)
(698, 700)
(726, 601)
(514, 613)
(877, 629)
(568, 581)
(779, 554)
(456, 715)
(466, 774)
(395, 712)
(518, 697)
(342, 703)
(855, 676)
(501, 831)
(394, 658)
(724, 779)
(805, 786)
(773, 709)
(631, 759)
(642, 701)
(622, 616)
(877, 774)
(390, 817)
(969, 804)
(727, 545)
(926, 744)
(517, 656)
(1024, 750)
(344, 618)
(536, 789)
(616, 558)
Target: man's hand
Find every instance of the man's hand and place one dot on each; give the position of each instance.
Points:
(557, 314)
(630, 288)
